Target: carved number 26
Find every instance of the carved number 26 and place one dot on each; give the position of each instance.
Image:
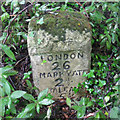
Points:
(65, 65)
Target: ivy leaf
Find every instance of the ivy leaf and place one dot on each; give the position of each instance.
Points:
(17, 94)
(8, 52)
(40, 21)
(81, 112)
(102, 83)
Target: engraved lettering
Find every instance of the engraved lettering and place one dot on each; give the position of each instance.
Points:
(42, 75)
(50, 58)
(72, 56)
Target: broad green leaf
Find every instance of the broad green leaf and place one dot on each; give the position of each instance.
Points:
(114, 112)
(21, 115)
(7, 88)
(42, 94)
(29, 107)
(28, 97)
(8, 52)
(68, 101)
(81, 112)
(38, 108)
(9, 102)
(76, 107)
(97, 115)
(10, 73)
(49, 111)
(89, 104)
(17, 94)
(2, 92)
(28, 83)
(13, 109)
(107, 98)
(46, 102)
(3, 102)
(40, 21)
(5, 16)
(82, 101)
(4, 69)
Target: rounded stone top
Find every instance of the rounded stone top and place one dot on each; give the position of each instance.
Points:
(56, 23)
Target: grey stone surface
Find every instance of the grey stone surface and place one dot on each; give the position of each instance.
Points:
(60, 51)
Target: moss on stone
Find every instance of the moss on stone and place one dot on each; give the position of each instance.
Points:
(57, 24)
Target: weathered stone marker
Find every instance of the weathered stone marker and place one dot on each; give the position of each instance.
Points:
(60, 51)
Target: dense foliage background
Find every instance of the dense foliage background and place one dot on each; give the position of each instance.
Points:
(18, 97)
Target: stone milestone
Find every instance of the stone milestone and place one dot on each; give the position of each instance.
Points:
(60, 51)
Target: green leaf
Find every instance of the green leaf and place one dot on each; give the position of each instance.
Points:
(46, 102)
(28, 83)
(97, 115)
(2, 8)
(68, 101)
(76, 107)
(114, 112)
(38, 108)
(2, 106)
(10, 73)
(8, 52)
(17, 94)
(4, 69)
(109, 20)
(7, 88)
(13, 109)
(81, 112)
(9, 102)
(42, 94)
(16, 10)
(49, 111)
(107, 98)
(40, 21)
(5, 16)
(22, 2)
(29, 107)
(89, 104)
(82, 101)
(2, 92)
(28, 97)
(102, 83)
